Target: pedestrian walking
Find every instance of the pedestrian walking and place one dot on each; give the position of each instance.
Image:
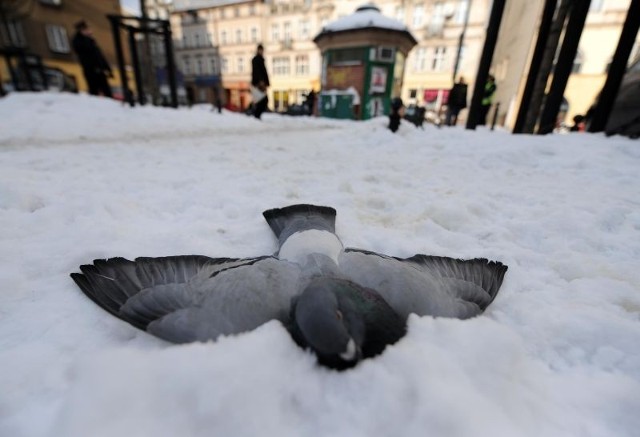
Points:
(457, 102)
(259, 83)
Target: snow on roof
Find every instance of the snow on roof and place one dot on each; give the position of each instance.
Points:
(187, 5)
(367, 15)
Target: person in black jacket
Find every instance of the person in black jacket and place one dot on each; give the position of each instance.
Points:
(259, 83)
(94, 66)
(457, 102)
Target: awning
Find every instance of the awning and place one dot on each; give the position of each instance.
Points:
(431, 95)
(209, 80)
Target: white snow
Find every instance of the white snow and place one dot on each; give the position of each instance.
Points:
(556, 354)
(363, 19)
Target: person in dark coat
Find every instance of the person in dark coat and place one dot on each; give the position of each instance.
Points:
(457, 102)
(94, 65)
(397, 111)
(487, 99)
(310, 102)
(259, 83)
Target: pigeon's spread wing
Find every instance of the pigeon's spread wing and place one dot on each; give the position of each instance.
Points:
(427, 285)
(191, 298)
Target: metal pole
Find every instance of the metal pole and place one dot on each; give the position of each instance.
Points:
(136, 64)
(485, 62)
(617, 69)
(461, 40)
(117, 42)
(171, 65)
(147, 61)
(536, 61)
(495, 116)
(26, 69)
(577, 18)
(546, 66)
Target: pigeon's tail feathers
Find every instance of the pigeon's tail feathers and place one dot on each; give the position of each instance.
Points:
(295, 218)
(479, 271)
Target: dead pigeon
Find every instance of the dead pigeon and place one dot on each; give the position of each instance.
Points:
(343, 304)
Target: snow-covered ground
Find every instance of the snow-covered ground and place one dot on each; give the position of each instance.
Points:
(557, 353)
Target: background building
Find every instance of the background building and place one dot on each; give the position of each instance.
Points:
(44, 28)
(214, 41)
(232, 29)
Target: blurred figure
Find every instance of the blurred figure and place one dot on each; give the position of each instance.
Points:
(310, 102)
(579, 124)
(259, 83)
(457, 102)
(487, 99)
(217, 99)
(397, 111)
(94, 66)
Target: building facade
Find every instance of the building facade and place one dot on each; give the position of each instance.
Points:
(44, 28)
(231, 30)
(287, 28)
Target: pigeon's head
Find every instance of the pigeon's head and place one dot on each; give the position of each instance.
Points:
(326, 320)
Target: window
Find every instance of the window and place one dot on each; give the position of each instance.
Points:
(461, 11)
(199, 69)
(275, 32)
(222, 13)
(304, 29)
(437, 19)
(186, 62)
(302, 65)
(577, 63)
(13, 34)
(236, 12)
(196, 40)
(240, 64)
(418, 15)
(225, 65)
(58, 39)
(213, 65)
(254, 34)
(400, 13)
(420, 59)
(252, 9)
(287, 31)
(439, 55)
(223, 37)
(347, 57)
(281, 66)
(596, 5)
(238, 36)
(413, 94)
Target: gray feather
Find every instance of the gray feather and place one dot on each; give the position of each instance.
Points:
(427, 285)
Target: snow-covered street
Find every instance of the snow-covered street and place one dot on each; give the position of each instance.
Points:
(556, 354)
